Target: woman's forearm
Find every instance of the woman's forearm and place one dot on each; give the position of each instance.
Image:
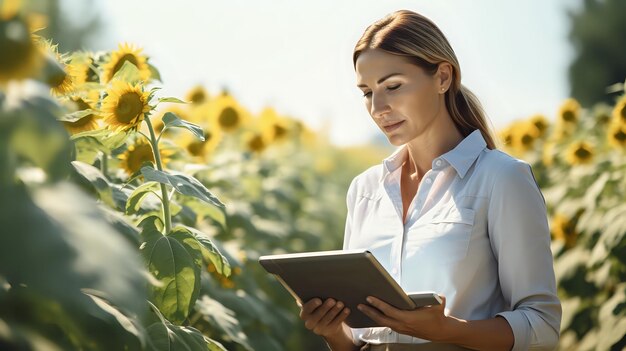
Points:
(342, 341)
(488, 334)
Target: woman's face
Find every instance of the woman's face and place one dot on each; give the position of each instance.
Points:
(403, 100)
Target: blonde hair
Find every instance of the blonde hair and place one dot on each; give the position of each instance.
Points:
(414, 36)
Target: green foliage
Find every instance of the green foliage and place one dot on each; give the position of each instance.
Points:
(597, 35)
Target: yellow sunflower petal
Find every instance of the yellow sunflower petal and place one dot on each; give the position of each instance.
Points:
(125, 106)
(126, 52)
(579, 153)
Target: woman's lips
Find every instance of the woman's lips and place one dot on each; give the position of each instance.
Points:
(392, 127)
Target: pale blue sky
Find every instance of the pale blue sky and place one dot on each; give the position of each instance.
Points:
(296, 56)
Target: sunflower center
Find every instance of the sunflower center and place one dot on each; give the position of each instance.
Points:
(15, 43)
(569, 116)
(279, 131)
(128, 107)
(582, 153)
(620, 136)
(228, 118)
(82, 105)
(256, 143)
(541, 125)
(195, 148)
(140, 154)
(56, 80)
(198, 97)
(127, 57)
(527, 139)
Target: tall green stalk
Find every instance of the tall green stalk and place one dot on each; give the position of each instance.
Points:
(167, 217)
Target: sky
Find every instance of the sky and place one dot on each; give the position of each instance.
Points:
(296, 56)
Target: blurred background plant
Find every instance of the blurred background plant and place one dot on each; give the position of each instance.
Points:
(134, 221)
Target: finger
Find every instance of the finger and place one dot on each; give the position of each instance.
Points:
(331, 314)
(315, 316)
(309, 307)
(377, 317)
(341, 317)
(385, 308)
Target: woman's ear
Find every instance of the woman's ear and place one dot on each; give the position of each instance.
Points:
(444, 72)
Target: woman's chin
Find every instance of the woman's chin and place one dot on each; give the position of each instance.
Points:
(396, 140)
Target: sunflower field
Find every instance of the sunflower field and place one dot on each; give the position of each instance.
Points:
(133, 221)
(579, 161)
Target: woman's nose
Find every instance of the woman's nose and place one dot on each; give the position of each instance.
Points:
(379, 107)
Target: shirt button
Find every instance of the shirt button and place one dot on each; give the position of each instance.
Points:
(390, 331)
(428, 181)
(438, 163)
(394, 271)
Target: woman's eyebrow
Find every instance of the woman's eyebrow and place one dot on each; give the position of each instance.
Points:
(381, 79)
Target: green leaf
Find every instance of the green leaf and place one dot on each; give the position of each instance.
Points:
(97, 180)
(37, 136)
(172, 99)
(223, 318)
(203, 209)
(154, 73)
(64, 245)
(172, 120)
(210, 252)
(128, 73)
(165, 336)
(108, 140)
(184, 184)
(129, 331)
(171, 264)
(76, 116)
(136, 197)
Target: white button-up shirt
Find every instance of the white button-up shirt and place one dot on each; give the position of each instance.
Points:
(476, 232)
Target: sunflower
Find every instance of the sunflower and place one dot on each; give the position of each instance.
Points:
(568, 116)
(254, 142)
(569, 112)
(202, 149)
(274, 127)
(125, 106)
(20, 57)
(506, 137)
(524, 136)
(85, 71)
(619, 111)
(617, 135)
(63, 83)
(541, 122)
(125, 53)
(564, 229)
(227, 112)
(197, 95)
(580, 152)
(137, 154)
(85, 123)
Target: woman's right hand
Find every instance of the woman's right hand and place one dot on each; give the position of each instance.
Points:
(324, 319)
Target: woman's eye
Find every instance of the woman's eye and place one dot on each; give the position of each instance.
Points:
(389, 88)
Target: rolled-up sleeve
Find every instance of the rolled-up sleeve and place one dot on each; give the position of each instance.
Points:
(520, 240)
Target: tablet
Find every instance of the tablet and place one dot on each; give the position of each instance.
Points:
(344, 275)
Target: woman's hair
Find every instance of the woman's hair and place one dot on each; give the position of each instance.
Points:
(414, 36)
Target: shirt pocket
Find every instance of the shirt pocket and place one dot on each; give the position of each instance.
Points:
(445, 236)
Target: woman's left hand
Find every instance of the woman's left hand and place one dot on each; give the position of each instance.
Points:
(427, 322)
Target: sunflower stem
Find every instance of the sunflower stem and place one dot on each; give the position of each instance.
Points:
(167, 217)
(104, 165)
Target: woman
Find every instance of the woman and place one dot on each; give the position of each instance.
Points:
(446, 212)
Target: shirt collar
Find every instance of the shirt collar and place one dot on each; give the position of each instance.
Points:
(460, 158)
